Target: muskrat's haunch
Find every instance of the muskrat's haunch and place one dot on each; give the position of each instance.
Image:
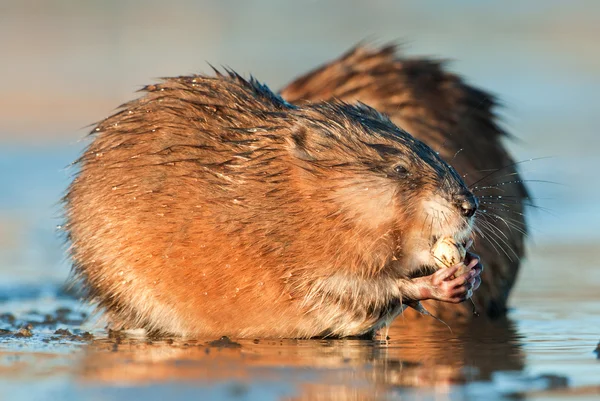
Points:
(210, 206)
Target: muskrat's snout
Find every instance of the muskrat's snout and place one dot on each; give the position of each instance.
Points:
(467, 203)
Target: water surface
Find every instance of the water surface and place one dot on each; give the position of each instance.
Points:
(544, 349)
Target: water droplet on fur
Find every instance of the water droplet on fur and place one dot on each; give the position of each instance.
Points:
(206, 293)
(227, 266)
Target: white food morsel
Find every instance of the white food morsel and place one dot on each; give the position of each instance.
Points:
(447, 253)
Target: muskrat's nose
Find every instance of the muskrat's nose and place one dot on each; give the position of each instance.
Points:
(467, 203)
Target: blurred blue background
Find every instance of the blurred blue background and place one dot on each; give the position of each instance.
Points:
(66, 64)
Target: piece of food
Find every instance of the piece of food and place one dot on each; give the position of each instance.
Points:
(447, 253)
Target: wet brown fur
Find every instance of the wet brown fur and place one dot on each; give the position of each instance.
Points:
(459, 121)
(210, 206)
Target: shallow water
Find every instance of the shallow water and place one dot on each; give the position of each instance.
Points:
(543, 350)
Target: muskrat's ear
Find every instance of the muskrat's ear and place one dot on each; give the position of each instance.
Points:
(297, 141)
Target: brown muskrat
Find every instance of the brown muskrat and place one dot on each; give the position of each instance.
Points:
(458, 121)
(210, 206)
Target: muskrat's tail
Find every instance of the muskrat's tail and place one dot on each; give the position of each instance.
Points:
(460, 122)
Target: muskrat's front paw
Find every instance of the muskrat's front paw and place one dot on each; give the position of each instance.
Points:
(474, 266)
(443, 286)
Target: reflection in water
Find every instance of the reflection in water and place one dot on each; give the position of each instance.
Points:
(420, 354)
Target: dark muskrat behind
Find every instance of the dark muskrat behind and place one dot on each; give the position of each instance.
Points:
(211, 206)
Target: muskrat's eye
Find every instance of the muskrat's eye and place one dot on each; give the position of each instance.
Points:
(401, 170)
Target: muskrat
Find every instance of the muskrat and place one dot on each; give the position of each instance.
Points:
(455, 119)
(210, 206)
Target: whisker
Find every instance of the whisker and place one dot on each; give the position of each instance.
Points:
(425, 223)
(501, 201)
(446, 218)
(519, 197)
(508, 166)
(504, 210)
(516, 199)
(529, 205)
(488, 213)
(509, 224)
(498, 231)
(484, 237)
(456, 154)
(431, 227)
(518, 224)
(474, 188)
(517, 173)
(495, 238)
(511, 203)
